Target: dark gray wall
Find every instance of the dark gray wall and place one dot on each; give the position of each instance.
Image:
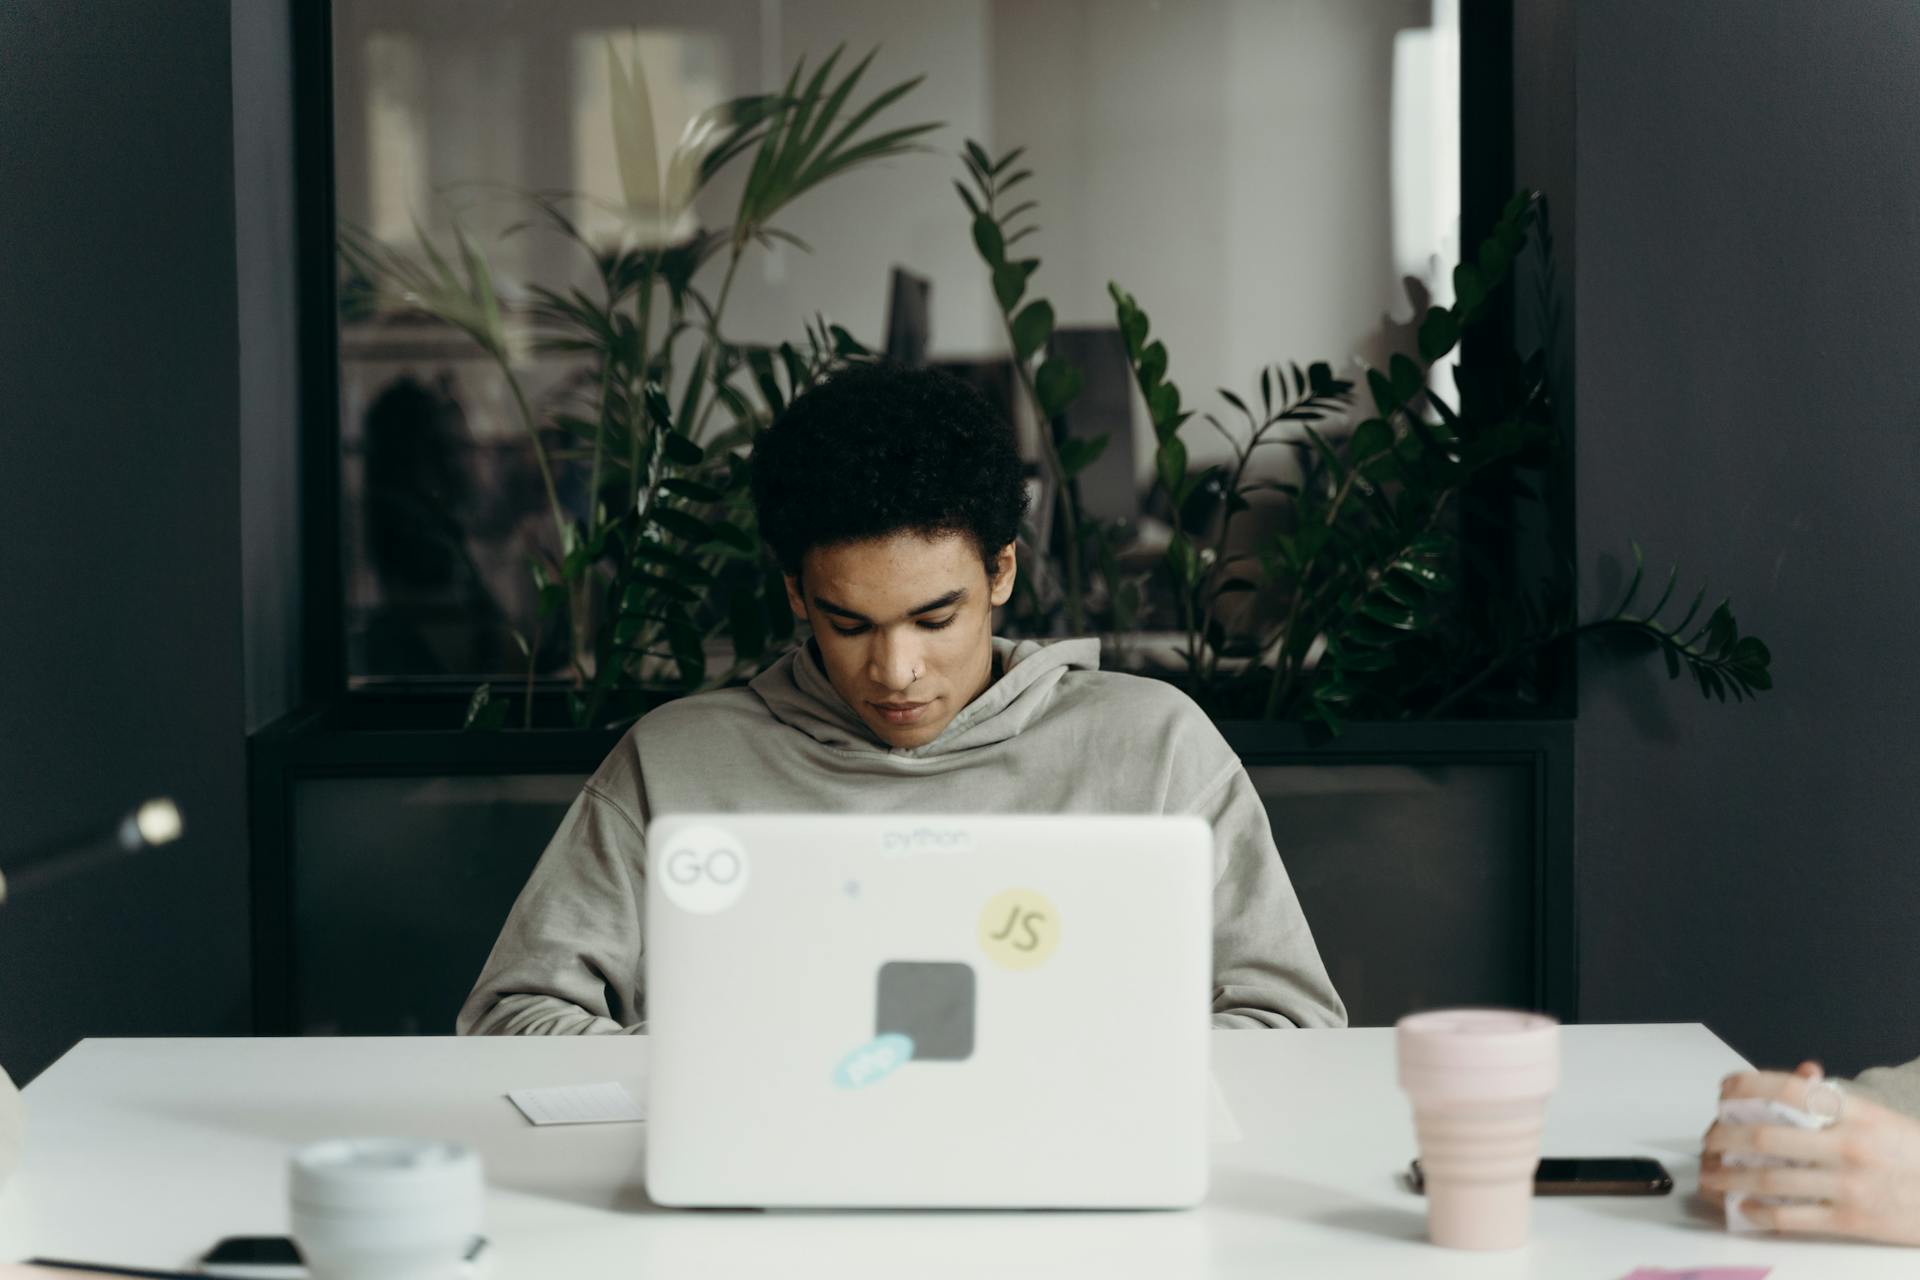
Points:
(119, 516)
(1749, 303)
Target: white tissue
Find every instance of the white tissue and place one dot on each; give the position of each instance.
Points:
(1761, 1111)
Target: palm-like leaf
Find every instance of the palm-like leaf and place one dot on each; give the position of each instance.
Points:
(464, 298)
(657, 192)
(799, 146)
(1720, 659)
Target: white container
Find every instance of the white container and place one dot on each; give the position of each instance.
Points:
(384, 1208)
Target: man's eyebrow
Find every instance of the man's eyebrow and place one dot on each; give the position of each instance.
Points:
(946, 601)
(827, 606)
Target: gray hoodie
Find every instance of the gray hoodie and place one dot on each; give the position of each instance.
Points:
(1054, 734)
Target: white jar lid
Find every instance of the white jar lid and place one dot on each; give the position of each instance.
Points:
(372, 1175)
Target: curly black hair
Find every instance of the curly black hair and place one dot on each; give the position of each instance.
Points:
(879, 449)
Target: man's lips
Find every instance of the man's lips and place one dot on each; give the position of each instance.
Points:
(900, 712)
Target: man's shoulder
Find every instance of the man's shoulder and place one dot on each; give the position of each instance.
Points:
(680, 730)
(1124, 693)
(715, 711)
(1141, 706)
(1172, 735)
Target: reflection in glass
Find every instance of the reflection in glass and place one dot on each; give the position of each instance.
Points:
(1262, 174)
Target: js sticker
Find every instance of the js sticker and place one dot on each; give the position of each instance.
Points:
(1019, 929)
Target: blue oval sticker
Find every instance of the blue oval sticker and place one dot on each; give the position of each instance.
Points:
(874, 1061)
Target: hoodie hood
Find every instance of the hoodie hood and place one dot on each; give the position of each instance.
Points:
(797, 693)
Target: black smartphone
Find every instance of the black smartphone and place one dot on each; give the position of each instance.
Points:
(250, 1257)
(1589, 1176)
(277, 1257)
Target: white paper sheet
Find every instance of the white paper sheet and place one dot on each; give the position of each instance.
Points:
(578, 1104)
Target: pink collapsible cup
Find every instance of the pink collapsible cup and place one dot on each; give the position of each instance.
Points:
(1479, 1080)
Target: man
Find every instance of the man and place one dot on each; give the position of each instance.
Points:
(892, 498)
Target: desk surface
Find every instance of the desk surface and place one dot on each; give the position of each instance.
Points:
(142, 1152)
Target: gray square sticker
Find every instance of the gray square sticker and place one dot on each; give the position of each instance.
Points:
(930, 1001)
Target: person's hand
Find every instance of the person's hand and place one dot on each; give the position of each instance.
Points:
(1709, 1157)
(1863, 1171)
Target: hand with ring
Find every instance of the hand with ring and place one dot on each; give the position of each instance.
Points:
(1861, 1173)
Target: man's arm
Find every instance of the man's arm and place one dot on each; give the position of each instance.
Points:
(568, 960)
(1266, 968)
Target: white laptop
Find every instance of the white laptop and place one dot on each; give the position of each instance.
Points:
(917, 1011)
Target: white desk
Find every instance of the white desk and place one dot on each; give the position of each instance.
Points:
(142, 1152)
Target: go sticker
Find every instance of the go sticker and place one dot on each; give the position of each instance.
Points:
(873, 1061)
(702, 869)
(1019, 929)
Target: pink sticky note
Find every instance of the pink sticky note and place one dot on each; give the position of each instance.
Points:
(1700, 1273)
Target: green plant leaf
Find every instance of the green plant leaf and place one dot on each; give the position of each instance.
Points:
(1056, 384)
(733, 536)
(659, 413)
(684, 568)
(794, 153)
(679, 523)
(692, 490)
(1383, 398)
(484, 711)
(987, 238)
(1010, 282)
(1495, 257)
(747, 625)
(760, 364)
(1408, 380)
(1163, 406)
(1470, 291)
(647, 589)
(689, 651)
(1438, 333)
(1368, 660)
(1133, 321)
(1170, 466)
(678, 449)
(1183, 560)
(1153, 367)
(1371, 437)
(1031, 329)
(1077, 454)
(845, 345)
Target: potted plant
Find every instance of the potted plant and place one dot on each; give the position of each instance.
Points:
(1361, 568)
(665, 557)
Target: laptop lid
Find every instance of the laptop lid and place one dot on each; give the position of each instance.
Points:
(868, 1010)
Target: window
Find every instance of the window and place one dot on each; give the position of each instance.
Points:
(1263, 177)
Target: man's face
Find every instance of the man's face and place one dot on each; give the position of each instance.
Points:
(905, 627)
